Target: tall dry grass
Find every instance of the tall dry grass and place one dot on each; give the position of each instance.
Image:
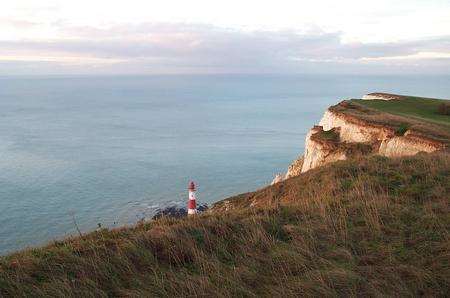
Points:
(368, 227)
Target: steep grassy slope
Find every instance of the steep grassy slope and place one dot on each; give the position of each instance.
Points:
(369, 227)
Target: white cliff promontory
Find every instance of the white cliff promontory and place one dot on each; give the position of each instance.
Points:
(357, 135)
(353, 129)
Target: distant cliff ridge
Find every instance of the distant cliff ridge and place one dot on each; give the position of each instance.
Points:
(382, 96)
(351, 128)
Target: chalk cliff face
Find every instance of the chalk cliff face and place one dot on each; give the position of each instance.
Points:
(295, 168)
(319, 151)
(353, 129)
(408, 144)
(356, 135)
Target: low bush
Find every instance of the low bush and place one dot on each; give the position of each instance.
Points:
(401, 130)
(444, 109)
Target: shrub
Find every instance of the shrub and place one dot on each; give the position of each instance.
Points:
(330, 135)
(444, 109)
(401, 130)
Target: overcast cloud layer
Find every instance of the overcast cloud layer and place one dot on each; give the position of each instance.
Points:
(187, 47)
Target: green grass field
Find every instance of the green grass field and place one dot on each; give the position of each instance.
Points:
(416, 107)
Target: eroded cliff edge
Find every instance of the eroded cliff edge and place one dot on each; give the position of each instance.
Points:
(349, 129)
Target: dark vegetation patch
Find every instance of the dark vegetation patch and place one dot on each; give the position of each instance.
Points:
(401, 129)
(444, 109)
(331, 135)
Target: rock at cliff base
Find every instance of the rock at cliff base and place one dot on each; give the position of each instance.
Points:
(176, 211)
(278, 178)
(295, 168)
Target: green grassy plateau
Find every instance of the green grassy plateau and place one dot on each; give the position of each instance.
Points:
(424, 109)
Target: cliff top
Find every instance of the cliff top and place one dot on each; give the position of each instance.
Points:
(422, 109)
(417, 115)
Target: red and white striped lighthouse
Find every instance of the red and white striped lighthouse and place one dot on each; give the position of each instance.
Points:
(192, 206)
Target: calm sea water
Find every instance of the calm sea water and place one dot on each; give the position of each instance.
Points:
(110, 150)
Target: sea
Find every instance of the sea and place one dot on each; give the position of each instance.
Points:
(77, 152)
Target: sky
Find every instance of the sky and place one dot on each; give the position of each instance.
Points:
(228, 36)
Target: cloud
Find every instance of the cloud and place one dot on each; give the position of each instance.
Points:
(17, 23)
(169, 47)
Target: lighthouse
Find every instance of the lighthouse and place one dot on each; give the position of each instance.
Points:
(192, 206)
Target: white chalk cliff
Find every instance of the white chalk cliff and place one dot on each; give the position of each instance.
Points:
(353, 134)
(318, 151)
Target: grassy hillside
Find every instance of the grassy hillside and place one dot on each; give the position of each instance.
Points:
(424, 109)
(370, 227)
